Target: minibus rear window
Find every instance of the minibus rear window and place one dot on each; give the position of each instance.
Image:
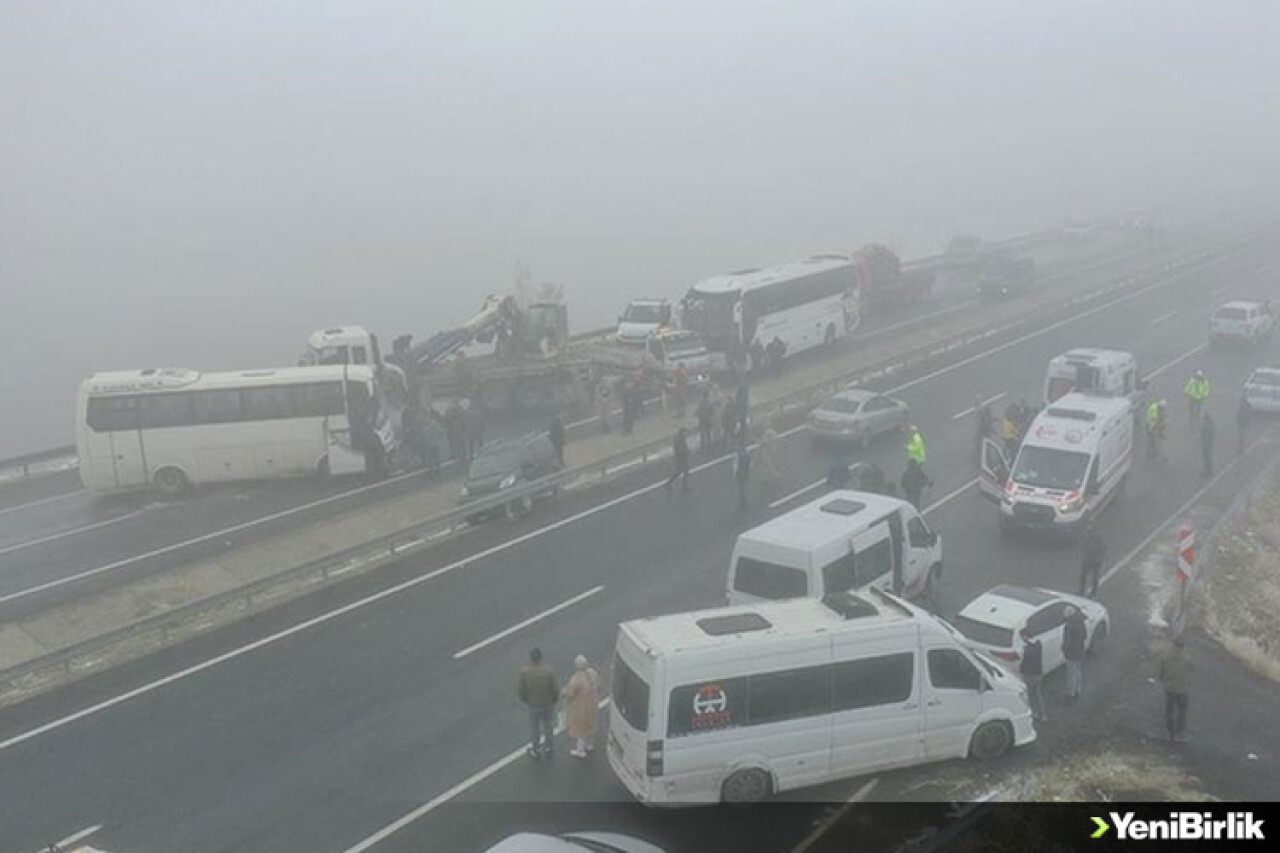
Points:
(769, 580)
(630, 695)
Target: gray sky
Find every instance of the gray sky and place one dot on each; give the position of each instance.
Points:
(203, 183)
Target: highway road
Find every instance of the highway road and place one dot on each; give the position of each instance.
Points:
(52, 534)
(321, 725)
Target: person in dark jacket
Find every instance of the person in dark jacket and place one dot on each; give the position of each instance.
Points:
(729, 423)
(1175, 676)
(1244, 417)
(838, 475)
(455, 432)
(1207, 428)
(555, 432)
(776, 350)
(1093, 551)
(539, 692)
(742, 406)
(914, 482)
(704, 413)
(871, 478)
(1074, 633)
(680, 461)
(629, 396)
(1031, 668)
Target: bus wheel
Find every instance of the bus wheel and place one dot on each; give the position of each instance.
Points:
(519, 507)
(745, 787)
(171, 481)
(991, 740)
(830, 337)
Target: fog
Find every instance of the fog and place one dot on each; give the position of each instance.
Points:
(203, 183)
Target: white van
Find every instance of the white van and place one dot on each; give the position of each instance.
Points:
(1096, 371)
(842, 541)
(1074, 460)
(738, 703)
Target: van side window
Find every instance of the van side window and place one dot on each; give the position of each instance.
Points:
(788, 695)
(840, 576)
(950, 670)
(868, 682)
(918, 534)
(768, 580)
(875, 562)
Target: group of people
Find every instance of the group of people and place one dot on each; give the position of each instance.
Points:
(871, 477)
(541, 694)
(767, 356)
(433, 439)
(1196, 392)
(629, 392)
(722, 419)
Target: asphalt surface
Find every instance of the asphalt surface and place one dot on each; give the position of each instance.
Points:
(51, 530)
(351, 712)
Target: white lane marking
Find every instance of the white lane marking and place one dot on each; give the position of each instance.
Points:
(809, 488)
(914, 321)
(1178, 513)
(550, 611)
(1075, 318)
(434, 803)
(1218, 291)
(413, 582)
(41, 502)
(969, 411)
(1176, 361)
(76, 837)
(208, 537)
(949, 496)
(831, 819)
(1165, 317)
(53, 537)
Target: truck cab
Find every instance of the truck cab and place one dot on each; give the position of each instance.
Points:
(341, 345)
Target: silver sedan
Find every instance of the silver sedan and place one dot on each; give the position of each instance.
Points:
(854, 416)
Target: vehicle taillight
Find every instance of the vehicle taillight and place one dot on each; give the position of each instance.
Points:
(1008, 486)
(1005, 655)
(653, 758)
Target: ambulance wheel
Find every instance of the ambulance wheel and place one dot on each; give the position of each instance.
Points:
(171, 481)
(991, 740)
(745, 787)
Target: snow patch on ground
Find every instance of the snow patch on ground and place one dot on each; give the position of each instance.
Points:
(1107, 772)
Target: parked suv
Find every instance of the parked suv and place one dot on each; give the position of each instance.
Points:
(506, 465)
(1247, 322)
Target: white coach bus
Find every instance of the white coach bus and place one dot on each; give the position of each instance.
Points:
(174, 428)
(805, 305)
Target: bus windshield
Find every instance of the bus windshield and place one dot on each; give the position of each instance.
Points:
(1046, 468)
(711, 314)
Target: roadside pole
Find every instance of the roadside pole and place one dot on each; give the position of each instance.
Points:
(1186, 572)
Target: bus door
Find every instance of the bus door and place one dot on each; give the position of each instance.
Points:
(347, 435)
(128, 463)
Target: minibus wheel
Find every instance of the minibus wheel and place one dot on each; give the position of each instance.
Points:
(171, 481)
(744, 787)
(992, 740)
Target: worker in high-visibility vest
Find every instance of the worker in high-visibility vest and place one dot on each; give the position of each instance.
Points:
(1197, 391)
(915, 445)
(1155, 427)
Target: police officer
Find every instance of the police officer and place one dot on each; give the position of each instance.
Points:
(1196, 391)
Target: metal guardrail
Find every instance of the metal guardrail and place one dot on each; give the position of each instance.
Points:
(27, 464)
(419, 535)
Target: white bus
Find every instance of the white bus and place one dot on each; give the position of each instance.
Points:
(174, 428)
(804, 305)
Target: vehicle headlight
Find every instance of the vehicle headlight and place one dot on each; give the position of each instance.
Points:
(1070, 503)
(507, 481)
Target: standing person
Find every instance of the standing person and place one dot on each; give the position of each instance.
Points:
(838, 474)
(681, 388)
(871, 478)
(555, 432)
(1175, 676)
(718, 405)
(538, 691)
(475, 428)
(1153, 429)
(914, 482)
(1244, 416)
(680, 461)
(455, 433)
(742, 406)
(1207, 429)
(915, 445)
(604, 402)
(437, 440)
(1009, 431)
(729, 423)
(1031, 668)
(628, 405)
(1093, 551)
(982, 414)
(776, 350)
(770, 477)
(758, 356)
(1196, 392)
(705, 414)
(1074, 633)
(582, 706)
(742, 471)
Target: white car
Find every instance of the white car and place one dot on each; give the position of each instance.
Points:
(1262, 390)
(854, 416)
(1245, 322)
(573, 842)
(993, 622)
